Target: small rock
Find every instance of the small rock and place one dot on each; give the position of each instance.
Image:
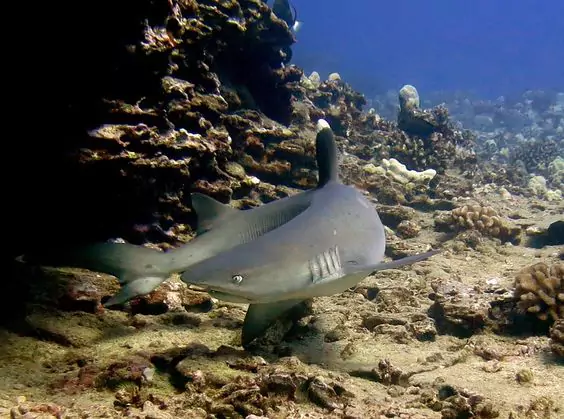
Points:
(423, 330)
(524, 376)
(408, 229)
(458, 309)
(492, 366)
(396, 391)
(372, 321)
(323, 394)
(384, 373)
(153, 412)
(338, 333)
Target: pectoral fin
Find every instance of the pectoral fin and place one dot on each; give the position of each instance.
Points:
(396, 263)
(260, 316)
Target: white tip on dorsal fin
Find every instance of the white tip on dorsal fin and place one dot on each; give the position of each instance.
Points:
(322, 124)
(326, 154)
(208, 211)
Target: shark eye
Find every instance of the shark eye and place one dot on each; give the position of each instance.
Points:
(237, 279)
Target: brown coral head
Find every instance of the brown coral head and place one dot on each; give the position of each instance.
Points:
(540, 290)
(487, 221)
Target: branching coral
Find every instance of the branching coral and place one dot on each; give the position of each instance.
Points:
(540, 290)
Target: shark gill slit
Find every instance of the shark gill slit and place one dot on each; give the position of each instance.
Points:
(326, 265)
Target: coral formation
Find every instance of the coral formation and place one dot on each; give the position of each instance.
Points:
(399, 172)
(535, 155)
(540, 290)
(177, 94)
(556, 172)
(538, 185)
(557, 338)
(408, 98)
(485, 219)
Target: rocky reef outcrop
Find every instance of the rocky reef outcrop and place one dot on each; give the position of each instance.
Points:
(181, 96)
(518, 136)
(155, 102)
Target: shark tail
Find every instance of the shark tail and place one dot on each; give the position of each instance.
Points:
(138, 269)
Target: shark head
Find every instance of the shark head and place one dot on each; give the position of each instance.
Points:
(239, 281)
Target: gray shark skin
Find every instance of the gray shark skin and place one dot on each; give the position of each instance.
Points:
(288, 13)
(329, 247)
(220, 227)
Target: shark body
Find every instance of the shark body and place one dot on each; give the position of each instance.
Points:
(318, 242)
(220, 227)
(329, 247)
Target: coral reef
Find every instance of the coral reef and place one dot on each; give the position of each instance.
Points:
(171, 102)
(162, 98)
(540, 290)
(515, 136)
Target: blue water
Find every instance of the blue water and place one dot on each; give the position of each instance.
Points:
(490, 47)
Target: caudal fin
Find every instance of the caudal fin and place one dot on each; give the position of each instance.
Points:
(139, 269)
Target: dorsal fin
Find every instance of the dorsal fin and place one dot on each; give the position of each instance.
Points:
(326, 154)
(295, 14)
(208, 210)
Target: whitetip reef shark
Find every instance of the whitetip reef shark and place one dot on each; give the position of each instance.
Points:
(318, 242)
(326, 249)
